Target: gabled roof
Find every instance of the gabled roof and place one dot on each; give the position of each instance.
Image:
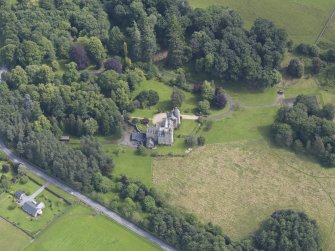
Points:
(18, 194)
(30, 208)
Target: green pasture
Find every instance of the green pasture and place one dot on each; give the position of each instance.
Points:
(303, 19)
(81, 229)
(12, 238)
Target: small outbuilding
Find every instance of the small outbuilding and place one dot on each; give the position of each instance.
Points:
(65, 139)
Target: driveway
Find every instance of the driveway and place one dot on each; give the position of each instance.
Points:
(32, 197)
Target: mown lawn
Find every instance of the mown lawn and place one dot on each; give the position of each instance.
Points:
(80, 230)
(164, 105)
(129, 164)
(303, 19)
(239, 184)
(240, 125)
(54, 206)
(11, 238)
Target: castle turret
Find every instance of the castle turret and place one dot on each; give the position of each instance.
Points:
(176, 113)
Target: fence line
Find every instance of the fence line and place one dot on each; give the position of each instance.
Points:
(325, 27)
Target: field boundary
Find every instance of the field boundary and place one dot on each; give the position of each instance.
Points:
(325, 27)
(18, 227)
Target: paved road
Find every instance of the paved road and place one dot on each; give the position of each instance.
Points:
(122, 221)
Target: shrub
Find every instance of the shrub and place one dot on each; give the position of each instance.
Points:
(316, 65)
(3, 156)
(141, 150)
(79, 55)
(191, 140)
(177, 97)
(208, 126)
(12, 206)
(296, 68)
(24, 180)
(5, 168)
(203, 107)
(113, 64)
(308, 50)
(220, 100)
(201, 141)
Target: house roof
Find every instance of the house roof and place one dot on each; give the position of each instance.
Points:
(137, 136)
(30, 208)
(40, 205)
(64, 138)
(18, 194)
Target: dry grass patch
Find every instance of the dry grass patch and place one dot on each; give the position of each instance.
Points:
(238, 185)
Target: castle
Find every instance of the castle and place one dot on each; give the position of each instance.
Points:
(162, 133)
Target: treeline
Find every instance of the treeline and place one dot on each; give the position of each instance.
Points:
(312, 61)
(178, 229)
(31, 135)
(307, 128)
(284, 230)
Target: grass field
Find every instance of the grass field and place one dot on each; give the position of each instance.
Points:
(238, 185)
(80, 230)
(11, 238)
(303, 19)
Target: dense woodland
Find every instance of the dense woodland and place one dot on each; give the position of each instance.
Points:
(74, 65)
(307, 128)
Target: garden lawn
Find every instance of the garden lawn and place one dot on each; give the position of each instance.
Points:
(129, 164)
(164, 91)
(12, 238)
(54, 207)
(302, 19)
(80, 230)
(240, 125)
(238, 185)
